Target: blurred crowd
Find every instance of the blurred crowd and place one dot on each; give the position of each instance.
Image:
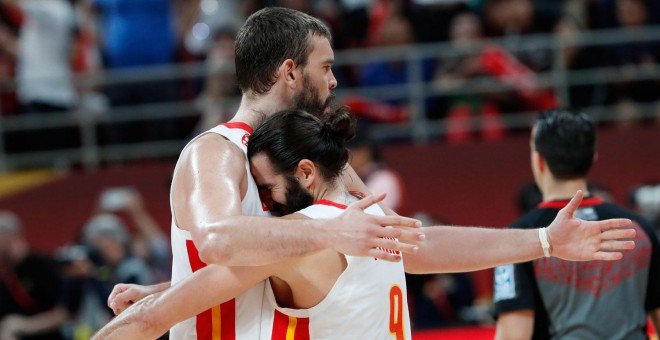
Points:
(64, 296)
(44, 44)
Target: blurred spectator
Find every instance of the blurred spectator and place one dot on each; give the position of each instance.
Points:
(149, 243)
(603, 13)
(354, 23)
(646, 198)
(396, 32)
(504, 17)
(578, 58)
(46, 40)
(432, 18)
(138, 34)
(455, 72)
(107, 235)
(217, 102)
(368, 163)
(29, 288)
(633, 59)
(197, 21)
(108, 245)
(44, 74)
(108, 255)
(520, 17)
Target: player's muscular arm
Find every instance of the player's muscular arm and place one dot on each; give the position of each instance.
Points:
(517, 325)
(152, 316)
(467, 249)
(206, 196)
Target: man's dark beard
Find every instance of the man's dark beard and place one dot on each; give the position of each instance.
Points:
(297, 198)
(310, 101)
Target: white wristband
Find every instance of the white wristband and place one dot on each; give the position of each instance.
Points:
(545, 244)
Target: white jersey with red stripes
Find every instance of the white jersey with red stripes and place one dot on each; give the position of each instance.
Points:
(241, 315)
(368, 300)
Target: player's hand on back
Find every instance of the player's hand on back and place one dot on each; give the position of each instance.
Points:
(123, 295)
(578, 240)
(359, 234)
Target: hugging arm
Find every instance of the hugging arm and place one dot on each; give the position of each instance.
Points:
(468, 249)
(152, 316)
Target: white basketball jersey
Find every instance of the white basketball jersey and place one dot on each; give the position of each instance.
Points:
(241, 315)
(368, 300)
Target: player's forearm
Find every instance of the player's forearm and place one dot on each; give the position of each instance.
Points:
(159, 287)
(461, 249)
(255, 241)
(136, 322)
(152, 316)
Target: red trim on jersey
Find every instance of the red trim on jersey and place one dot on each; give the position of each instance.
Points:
(280, 325)
(586, 202)
(228, 320)
(239, 125)
(302, 329)
(284, 325)
(204, 320)
(331, 203)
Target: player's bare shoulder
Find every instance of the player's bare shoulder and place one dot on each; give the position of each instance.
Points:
(211, 150)
(209, 162)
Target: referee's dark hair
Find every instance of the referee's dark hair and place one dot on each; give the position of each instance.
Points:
(566, 139)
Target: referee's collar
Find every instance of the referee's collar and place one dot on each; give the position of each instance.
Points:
(558, 204)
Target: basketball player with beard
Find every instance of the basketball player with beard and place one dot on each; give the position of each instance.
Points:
(283, 59)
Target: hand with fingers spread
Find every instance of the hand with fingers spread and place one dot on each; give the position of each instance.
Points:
(124, 295)
(578, 240)
(382, 237)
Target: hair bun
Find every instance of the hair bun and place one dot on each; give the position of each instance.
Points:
(340, 125)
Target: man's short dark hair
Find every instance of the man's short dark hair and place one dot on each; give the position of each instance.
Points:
(566, 138)
(268, 38)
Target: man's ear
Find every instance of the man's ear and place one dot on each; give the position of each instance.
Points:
(539, 162)
(289, 72)
(306, 173)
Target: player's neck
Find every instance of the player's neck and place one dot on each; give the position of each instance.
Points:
(335, 192)
(255, 108)
(555, 190)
